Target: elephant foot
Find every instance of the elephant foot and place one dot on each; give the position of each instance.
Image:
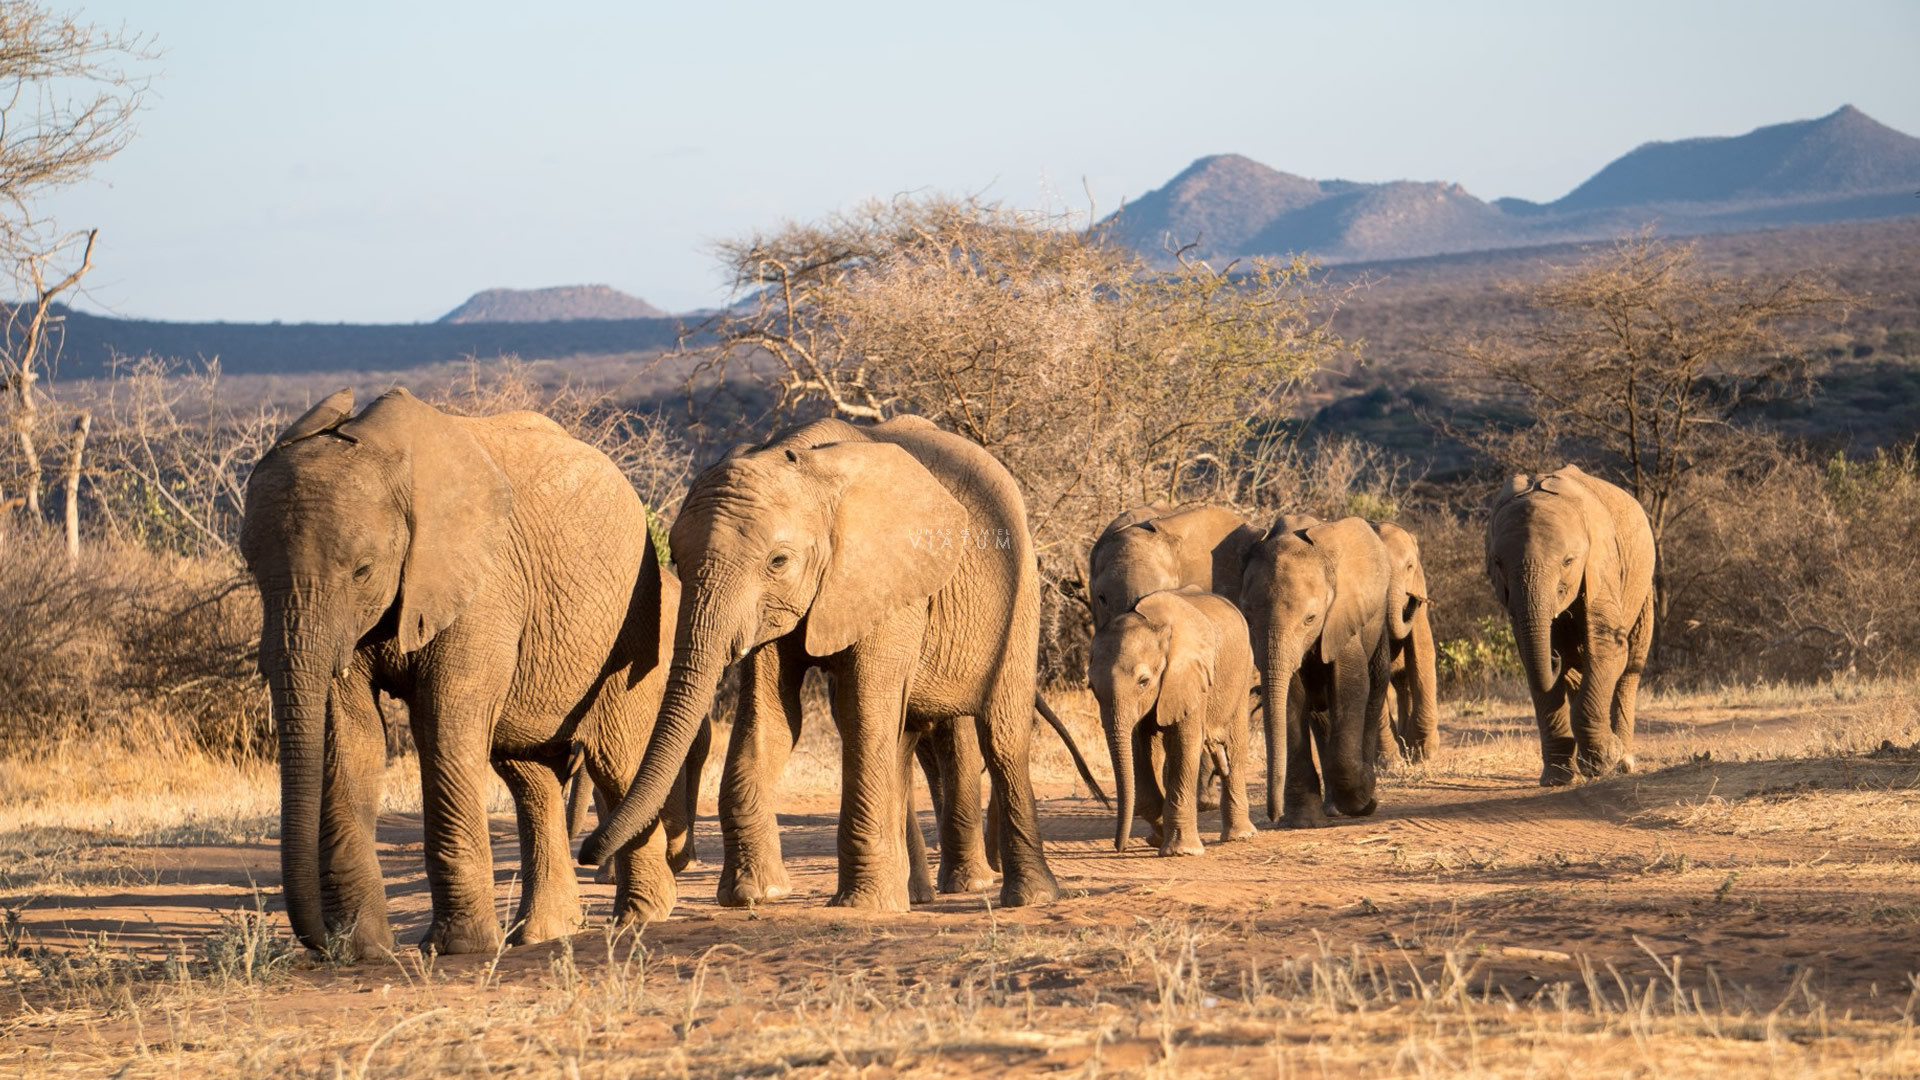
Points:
(1624, 765)
(369, 938)
(1556, 774)
(1593, 768)
(453, 937)
(1309, 816)
(919, 891)
(1030, 889)
(1208, 798)
(604, 874)
(644, 905)
(544, 926)
(748, 889)
(1182, 845)
(682, 856)
(966, 878)
(867, 898)
(1242, 831)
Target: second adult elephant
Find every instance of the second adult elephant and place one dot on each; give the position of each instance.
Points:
(1570, 557)
(1315, 597)
(896, 557)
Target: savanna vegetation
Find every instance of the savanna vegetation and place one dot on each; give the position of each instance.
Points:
(1731, 909)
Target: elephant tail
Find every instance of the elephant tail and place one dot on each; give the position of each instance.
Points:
(580, 794)
(1073, 748)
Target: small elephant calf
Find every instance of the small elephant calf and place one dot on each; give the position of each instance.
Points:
(1175, 668)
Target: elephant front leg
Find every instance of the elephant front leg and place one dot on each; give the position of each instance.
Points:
(1149, 762)
(1593, 709)
(549, 894)
(451, 728)
(963, 854)
(1185, 748)
(1551, 713)
(765, 728)
(353, 889)
(869, 705)
(1303, 806)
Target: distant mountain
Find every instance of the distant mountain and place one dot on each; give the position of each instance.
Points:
(1841, 167)
(565, 303)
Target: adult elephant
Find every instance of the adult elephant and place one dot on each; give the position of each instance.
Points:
(1315, 598)
(897, 558)
(1150, 548)
(496, 575)
(1413, 671)
(1571, 557)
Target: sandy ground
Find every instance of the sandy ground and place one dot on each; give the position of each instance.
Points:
(1762, 862)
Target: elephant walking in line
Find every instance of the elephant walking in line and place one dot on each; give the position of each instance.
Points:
(1315, 597)
(1571, 557)
(495, 574)
(896, 557)
(1414, 671)
(1175, 669)
(1156, 547)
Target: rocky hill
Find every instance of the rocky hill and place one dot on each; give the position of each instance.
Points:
(1844, 166)
(565, 303)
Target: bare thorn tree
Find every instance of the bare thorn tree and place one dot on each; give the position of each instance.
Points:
(68, 97)
(1640, 361)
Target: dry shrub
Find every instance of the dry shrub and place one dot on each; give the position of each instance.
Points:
(1797, 568)
(147, 648)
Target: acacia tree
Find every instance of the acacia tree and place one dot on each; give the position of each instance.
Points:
(67, 104)
(1640, 359)
(1098, 382)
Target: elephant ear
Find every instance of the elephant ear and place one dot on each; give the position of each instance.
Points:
(322, 417)
(1347, 616)
(458, 507)
(1604, 575)
(1193, 649)
(895, 539)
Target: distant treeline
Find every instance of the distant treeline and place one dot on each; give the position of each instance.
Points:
(91, 342)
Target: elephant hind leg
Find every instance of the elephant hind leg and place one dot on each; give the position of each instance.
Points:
(1005, 731)
(549, 895)
(919, 882)
(1639, 643)
(966, 863)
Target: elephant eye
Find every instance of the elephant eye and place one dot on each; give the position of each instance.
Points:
(1312, 616)
(1568, 561)
(779, 560)
(363, 572)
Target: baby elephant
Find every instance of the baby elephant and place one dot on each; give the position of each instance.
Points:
(1176, 668)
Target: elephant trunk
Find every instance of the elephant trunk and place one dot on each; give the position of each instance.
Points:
(699, 659)
(1276, 681)
(1533, 615)
(1400, 610)
(292, 656)
(1120, 748)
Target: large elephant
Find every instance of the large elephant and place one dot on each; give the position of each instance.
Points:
(495, 574)
(1414, 672)
(1156, 547)
(1175, 669)
(897, 558)
(1315, 597)
(1571, 557)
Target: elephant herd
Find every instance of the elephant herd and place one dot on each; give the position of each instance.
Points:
(498, 576)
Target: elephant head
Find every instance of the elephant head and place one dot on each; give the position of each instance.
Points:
(1154, 662)
(1407, 589)
(381, 525)
(827, 533)
(1550, 546)
(1314, 596)
(1156, 547)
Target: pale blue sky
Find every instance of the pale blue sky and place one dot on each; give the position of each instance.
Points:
(378, 162)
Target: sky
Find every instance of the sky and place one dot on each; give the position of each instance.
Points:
(379, 162)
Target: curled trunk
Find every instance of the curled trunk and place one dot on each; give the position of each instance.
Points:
(691, 685)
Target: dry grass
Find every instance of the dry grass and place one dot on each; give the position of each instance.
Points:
(1158, 987)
